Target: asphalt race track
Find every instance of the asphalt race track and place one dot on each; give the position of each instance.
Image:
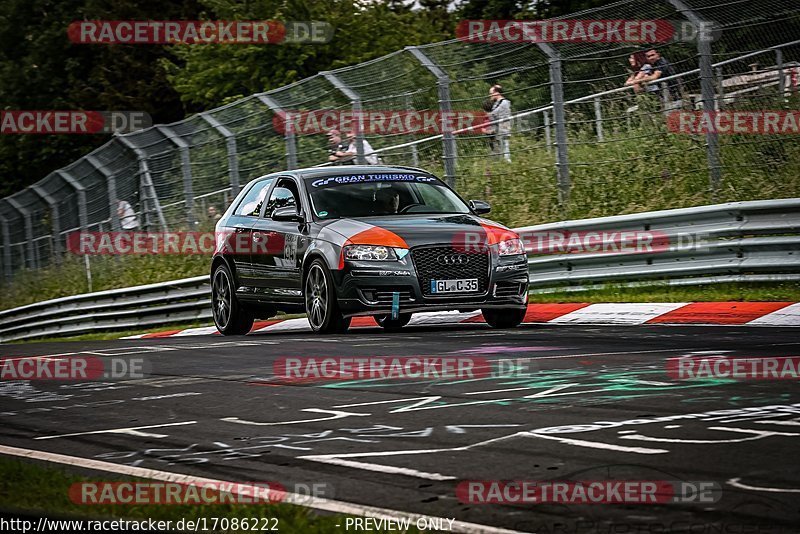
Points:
(583, 409)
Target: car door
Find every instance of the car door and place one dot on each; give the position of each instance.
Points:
(278, 245)
(237, 233)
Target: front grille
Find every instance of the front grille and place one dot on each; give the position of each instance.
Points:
(384, 296)
(507, 289)
(429, 268)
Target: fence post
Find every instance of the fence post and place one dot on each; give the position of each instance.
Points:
(146, 183)
(111, 187)
(548, 141)
(598, 119)
(443, 86)
(414, 153)
(781, 74)
(288, 135)
(31, 259)
(230, 144)
(707, 93)
(83, 216)
(355, 101)
(186, 171)
(557, 91)
(55, 224)
(8, 270)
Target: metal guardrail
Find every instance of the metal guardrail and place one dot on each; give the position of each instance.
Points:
(149, 305)
(757, 241)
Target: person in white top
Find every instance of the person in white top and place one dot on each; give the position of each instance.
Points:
(127, 217)
(352, 149)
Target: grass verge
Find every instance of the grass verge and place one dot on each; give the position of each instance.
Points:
(36, 489)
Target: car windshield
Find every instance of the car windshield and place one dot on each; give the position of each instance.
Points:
(367, 195)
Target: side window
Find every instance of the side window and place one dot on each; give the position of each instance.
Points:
(251, 203)
(282, 196)
(434, 198)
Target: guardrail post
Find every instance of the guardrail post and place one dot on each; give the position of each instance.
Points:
(8, 270)
(111, 187)
(26, 215)
(230, 144)
(720, 89)
(707, 92)
(355, 102)
(557, 91)
(443, 86)
(56, 225)
(288, 134)
(83, 216)
(598, 119)
(186, 170)
(145, 184)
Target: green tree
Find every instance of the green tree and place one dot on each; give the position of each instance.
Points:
(209, 75)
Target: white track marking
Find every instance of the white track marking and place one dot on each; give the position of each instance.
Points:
(617, 313)
(736, 484)
(316, 503)
(598, 445)
(134, 431)
(387, 469)
(335, 414)
(788, 316)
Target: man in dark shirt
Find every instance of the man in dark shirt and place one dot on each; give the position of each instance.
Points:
(662, 69)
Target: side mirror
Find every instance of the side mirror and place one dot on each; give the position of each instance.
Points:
(287, 214)
(480, 207)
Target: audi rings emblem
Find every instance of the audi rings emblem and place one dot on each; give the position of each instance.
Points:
(452, 259)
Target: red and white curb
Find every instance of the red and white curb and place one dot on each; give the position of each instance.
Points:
(675, 313)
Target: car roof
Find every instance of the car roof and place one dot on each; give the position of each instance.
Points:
(338, 170)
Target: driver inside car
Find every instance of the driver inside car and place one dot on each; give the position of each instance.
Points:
(387, 200)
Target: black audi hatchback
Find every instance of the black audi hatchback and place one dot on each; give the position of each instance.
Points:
(362, 240)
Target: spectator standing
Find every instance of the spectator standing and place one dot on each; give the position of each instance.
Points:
(352, 149)
(501, 111)
(640, 68)
(337, 149)
(663, 69)
(127, 217)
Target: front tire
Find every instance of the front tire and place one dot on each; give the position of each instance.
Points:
(322, 307)
(230, 317)
(504, 318)
(389, 324)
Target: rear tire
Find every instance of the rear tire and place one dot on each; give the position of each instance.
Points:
(389, 324)
(504, 318)
(322, 307)
(230, 317)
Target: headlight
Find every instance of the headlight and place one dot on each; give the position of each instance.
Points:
(369, 253)
(510, 247)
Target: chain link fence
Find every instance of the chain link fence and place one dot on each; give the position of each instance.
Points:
(582, 143)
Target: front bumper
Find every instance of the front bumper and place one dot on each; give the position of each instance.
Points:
(368, 288)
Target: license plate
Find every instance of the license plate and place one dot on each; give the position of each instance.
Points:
(469, 285)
